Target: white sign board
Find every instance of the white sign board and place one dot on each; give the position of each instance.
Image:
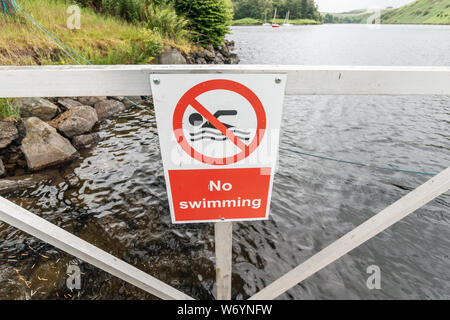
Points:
(219, 137)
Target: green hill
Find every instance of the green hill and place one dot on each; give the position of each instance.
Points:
(354, 16)
(420, 12)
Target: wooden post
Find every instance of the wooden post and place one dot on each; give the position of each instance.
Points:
(224, 240)
(9, 7)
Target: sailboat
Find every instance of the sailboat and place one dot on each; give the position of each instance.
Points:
(266, 24)
(286, 20)
(275, 25)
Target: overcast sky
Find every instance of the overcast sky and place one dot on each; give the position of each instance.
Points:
(347, 5)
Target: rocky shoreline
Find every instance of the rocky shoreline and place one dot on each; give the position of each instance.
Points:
(210, 55)
(52, 131)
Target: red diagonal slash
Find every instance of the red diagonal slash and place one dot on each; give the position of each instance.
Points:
(219, 125)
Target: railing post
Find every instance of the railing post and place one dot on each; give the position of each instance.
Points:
(224, 240)
(370, 228)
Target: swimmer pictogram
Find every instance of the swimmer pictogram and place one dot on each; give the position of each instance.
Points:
(204, 130)
(204, 124)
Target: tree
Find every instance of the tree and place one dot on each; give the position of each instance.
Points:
(294, 7)
(329, 18)
(209, 20)
(251, 8)
(256, 9)
(305, 5)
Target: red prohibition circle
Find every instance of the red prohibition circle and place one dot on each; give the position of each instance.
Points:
(189, 98)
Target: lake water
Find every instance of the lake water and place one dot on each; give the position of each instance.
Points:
(344, 45)
(115, 198)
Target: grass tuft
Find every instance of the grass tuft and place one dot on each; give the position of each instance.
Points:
(101, 39)
(8, 109)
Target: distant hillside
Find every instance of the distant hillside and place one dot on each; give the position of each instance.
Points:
(354, 16)
(354, 12)
(420, 12)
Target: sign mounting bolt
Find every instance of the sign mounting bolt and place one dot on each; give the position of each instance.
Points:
(277, 80)
(156, 81)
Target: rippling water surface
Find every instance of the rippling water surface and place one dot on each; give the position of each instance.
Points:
(115, 198)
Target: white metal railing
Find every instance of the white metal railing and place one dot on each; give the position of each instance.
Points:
(63, 81)
(134, 80)
(67, 242)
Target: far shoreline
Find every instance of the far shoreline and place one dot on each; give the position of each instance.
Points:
(251, 22)
(257, 22)
(346, 24)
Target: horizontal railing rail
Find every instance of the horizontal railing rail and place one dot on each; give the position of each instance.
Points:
(134, 80)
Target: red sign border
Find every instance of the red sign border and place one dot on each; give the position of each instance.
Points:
(219, 84)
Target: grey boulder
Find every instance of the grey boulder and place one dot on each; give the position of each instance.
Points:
(68, 103)
(90, 101)
(131, 101)
(76, 121)
(85, 141)
(171, 56)
(43, 146)
(201, 61)
(107, 108)
(8, 133)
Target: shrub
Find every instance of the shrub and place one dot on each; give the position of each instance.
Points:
(130, 10)
(143, 46)
(157, 15)
(164, 19)
(8, 110)
(209, 20)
